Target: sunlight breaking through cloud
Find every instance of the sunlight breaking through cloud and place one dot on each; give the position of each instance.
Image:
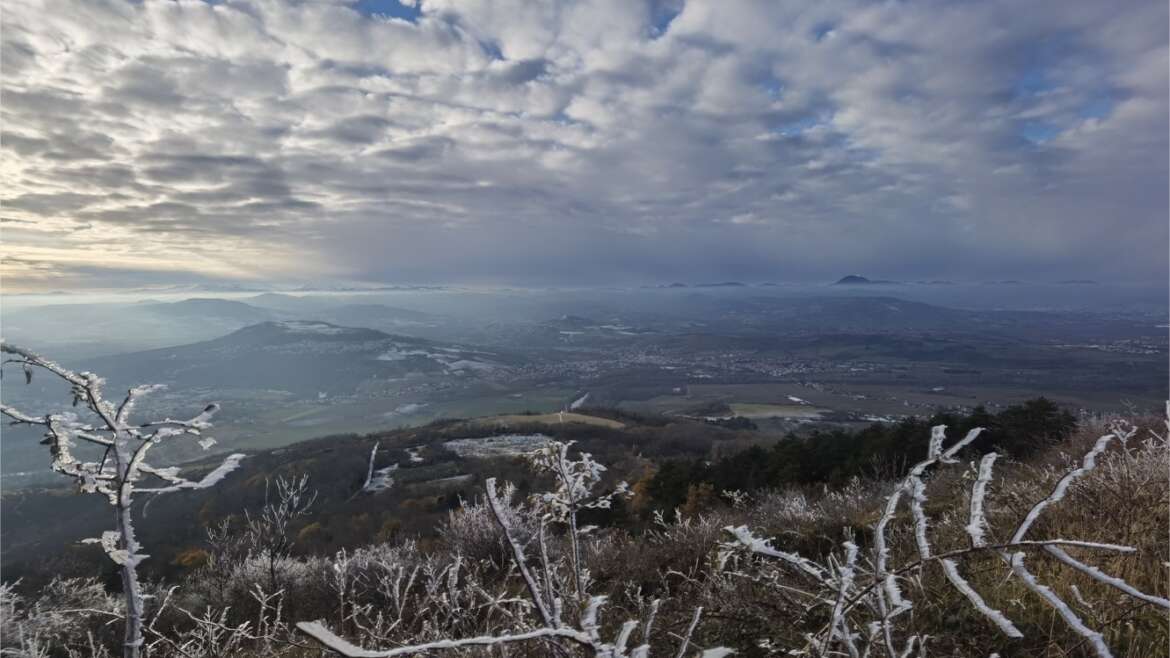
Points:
(597, 141)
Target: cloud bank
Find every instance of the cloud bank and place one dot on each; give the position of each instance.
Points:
(592, 141)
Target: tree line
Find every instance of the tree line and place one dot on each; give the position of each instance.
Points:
(881, 450)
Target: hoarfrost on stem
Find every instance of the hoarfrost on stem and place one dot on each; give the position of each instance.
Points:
(872, 598)
(122, 468)
(575, 481)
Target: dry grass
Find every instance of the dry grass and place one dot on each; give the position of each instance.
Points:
(509, 421)
(1124, 500)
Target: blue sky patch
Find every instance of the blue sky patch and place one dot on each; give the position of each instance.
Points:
(798, 127)
(408, 11)
(661, 16)
(1034, 81)
(1038, 132)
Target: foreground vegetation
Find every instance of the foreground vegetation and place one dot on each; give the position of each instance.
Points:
(690, 583)
(1021, 533)
(669, 462)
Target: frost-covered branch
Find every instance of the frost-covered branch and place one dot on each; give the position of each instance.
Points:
(977, 520)
(1087, 464)
(517, 553)
(229, 464)
(266, 534)
(576, 479)
(327, 638)
(849, 590)
(119, 473)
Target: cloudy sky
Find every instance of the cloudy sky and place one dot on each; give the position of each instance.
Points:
(601, 141)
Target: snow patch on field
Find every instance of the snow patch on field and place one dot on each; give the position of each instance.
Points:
(467, 364)
(404, 409)
(452, 359)
(381, 479)
(397, 354)
(503, 445)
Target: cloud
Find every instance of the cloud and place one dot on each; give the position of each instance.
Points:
(599, 141)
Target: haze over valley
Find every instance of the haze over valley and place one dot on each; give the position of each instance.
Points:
(296, 365)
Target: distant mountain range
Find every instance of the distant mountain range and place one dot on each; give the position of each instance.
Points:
(719, 284)
(833, 314)
(111, 328)
(207, 308)
(302, 357)
(856, 280)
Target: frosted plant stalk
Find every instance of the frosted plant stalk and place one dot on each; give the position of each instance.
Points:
(877, 590)
(573, 493)
(122, 468)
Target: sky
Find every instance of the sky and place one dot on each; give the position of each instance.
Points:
(264, 142)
